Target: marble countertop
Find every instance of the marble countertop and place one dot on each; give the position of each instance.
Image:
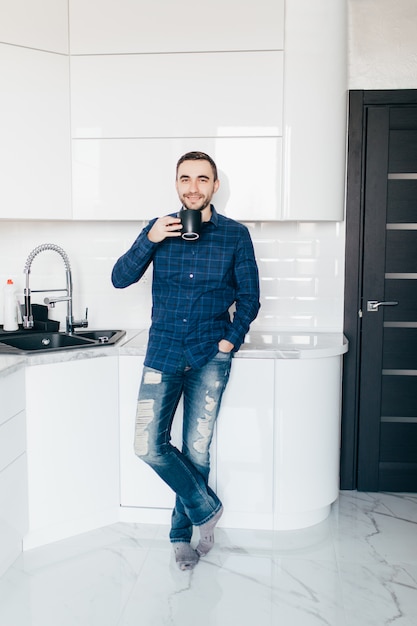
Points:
(62, 356)
(264, 344)
(259, 344)
(292, 345)
(10, 363)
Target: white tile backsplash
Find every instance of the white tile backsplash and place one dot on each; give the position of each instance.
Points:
(291, 296)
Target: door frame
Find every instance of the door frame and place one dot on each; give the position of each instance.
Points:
(358, 102)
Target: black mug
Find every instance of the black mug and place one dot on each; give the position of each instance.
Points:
(191, 223)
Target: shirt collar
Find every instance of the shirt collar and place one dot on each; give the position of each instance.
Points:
(214, 219)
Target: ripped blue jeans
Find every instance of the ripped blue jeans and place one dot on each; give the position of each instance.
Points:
(185, 471)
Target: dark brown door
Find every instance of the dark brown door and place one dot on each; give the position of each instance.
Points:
(387, 398)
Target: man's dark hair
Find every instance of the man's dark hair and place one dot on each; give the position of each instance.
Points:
(198, 156)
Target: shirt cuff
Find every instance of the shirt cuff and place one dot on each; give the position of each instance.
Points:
(235, 338)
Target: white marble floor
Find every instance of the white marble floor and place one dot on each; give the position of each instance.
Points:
(358, 568)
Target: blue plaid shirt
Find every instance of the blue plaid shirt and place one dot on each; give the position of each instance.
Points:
(194, 285)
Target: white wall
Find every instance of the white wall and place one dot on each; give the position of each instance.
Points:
(301, 264)
(382, 44)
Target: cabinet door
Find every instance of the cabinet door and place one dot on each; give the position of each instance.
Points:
(12, 394)
(132, 101)
(106, 184)
(242, 473)
(140, 486)
(35, 135)
(315, 110)
(13, 470)
(245, 444)
(307, 439)
(237, 26)
(73, 455)
(12, 439)
(42, 24)
(13, 511)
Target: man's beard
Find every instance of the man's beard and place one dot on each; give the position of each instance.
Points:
(188, 204)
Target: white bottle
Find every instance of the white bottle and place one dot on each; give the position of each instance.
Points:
(10, 307)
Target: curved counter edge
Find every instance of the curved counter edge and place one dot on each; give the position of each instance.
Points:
(258, 344)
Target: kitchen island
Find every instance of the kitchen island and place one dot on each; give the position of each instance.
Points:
(276, 451)
(275, 454)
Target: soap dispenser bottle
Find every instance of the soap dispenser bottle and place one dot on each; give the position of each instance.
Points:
(10, 307)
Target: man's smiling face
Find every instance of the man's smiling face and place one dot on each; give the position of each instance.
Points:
(195, 184)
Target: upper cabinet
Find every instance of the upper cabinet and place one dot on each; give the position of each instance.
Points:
(35, 142)
(136, 26)
(261, 86)
(145, 90)
(38, 24)
(121, 179)
(134, 115)
(315, 100)
(215, 94)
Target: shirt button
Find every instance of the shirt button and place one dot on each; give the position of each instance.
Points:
(184, 320)
(191, 275)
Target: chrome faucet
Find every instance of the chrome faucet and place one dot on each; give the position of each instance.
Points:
(27, 316)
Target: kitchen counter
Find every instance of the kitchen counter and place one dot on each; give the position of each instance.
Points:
(10, 364)
(259, 344)
(264, 344)
(64, 356)
(290, 446)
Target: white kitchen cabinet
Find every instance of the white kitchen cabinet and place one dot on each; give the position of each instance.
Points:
(35, 135)
(245, 445)
(315, 103)
(140, 486)
(13, 470)
(42, 24)
(123, 26)
(276, 450)
(307, 439)
(275, 453)
(131, 96)
(72, 447)
(117, 178)
(241, 452)
(130, 126)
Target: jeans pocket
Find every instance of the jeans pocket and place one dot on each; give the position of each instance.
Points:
(223, 356)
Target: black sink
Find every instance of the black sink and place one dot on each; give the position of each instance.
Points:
(102, 336)
(30, 342)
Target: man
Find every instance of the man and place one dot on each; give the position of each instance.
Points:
(191, 343)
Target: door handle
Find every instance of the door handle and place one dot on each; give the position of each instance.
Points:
(373, 305)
